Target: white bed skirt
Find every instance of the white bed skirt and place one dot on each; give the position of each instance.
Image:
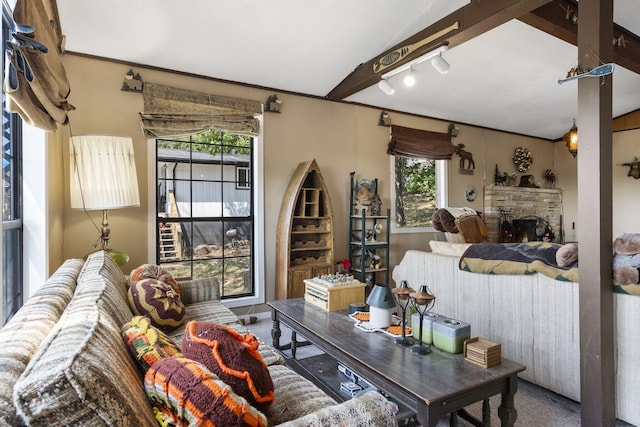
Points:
(534, 318)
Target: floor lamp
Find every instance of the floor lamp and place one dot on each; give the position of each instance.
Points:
(103, 177)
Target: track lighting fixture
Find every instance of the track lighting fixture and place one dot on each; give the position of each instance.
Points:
(438, 62)
(386, 87)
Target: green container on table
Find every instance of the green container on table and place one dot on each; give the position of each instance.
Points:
(450, 334)
(427, 321)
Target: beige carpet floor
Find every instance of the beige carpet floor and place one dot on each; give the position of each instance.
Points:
(537, 407)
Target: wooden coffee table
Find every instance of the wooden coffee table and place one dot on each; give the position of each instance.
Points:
(432, 385)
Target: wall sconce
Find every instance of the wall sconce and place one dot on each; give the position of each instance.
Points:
(381, 304)
(571, 139)
(102, 177)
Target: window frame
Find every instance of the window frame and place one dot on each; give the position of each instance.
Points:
(258, 243)
(12, 298)
(442, 183)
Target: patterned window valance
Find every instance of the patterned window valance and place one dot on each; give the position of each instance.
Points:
(408, 142)
(170, 111)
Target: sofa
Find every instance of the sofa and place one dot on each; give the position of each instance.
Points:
(535, 319)
(63, 360)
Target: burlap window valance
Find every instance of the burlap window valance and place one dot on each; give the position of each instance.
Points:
(170, 111)
(408, 142)
(35, 81)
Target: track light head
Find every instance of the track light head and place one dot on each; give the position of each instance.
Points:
(409, 79)
(386, 87)
(440, 64)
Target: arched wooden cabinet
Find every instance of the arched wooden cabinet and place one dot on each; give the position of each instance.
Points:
(304, 238)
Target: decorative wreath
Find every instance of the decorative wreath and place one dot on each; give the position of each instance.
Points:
(522, 159)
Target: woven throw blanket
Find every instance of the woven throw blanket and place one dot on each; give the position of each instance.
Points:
(517, 259)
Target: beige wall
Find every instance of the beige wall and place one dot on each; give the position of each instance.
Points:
(341, 137)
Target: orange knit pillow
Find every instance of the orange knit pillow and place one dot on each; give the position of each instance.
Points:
(184, 392)
(232, 357)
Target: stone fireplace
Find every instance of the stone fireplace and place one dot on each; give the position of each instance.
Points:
(529, 209)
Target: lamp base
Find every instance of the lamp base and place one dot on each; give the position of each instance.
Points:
(404, 341)
(120, 257)
(420, 349)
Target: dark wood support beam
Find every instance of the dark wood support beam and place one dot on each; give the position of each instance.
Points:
(552, 18)
(472, 20)
(597, 362)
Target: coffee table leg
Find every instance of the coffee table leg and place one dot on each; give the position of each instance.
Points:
(294, 343)
(507, 411)
(275, 332)
(486, 412)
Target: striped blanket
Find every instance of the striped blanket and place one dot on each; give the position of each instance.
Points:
(517, 259)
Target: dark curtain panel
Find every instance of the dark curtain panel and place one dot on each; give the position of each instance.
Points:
(35, 81)
(408, 142)
(170, 111)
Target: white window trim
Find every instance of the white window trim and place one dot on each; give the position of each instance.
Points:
(258, 220)
(442, 167)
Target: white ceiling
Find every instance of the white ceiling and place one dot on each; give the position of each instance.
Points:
(505, 78)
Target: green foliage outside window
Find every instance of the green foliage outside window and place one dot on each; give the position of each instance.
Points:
(415, 192)
(210, 141)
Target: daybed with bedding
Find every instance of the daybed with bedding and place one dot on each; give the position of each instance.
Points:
(533, 316)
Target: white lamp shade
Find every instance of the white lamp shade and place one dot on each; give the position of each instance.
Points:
(102, 172)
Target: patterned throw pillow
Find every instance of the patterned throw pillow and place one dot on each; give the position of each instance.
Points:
(185, 392)
(158, 301)
(146, 343)
(234, 358)
(152, 271)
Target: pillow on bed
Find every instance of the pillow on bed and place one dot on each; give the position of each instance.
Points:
(448, 248)
(472, 228)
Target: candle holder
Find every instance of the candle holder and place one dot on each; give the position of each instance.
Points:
(422, 301)
(401, 296)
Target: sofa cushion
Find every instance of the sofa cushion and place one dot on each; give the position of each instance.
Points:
(26, 330)
(146, 343)
(370, 409)
(158, 301)
(234, 358)
(187, 393)
(153, 271)
(82, 373)
(295, 396)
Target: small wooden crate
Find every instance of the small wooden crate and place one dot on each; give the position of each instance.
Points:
(333, 298)
(482, 352)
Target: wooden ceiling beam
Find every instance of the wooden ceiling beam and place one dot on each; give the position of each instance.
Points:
(554, 18)
(474, 19)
